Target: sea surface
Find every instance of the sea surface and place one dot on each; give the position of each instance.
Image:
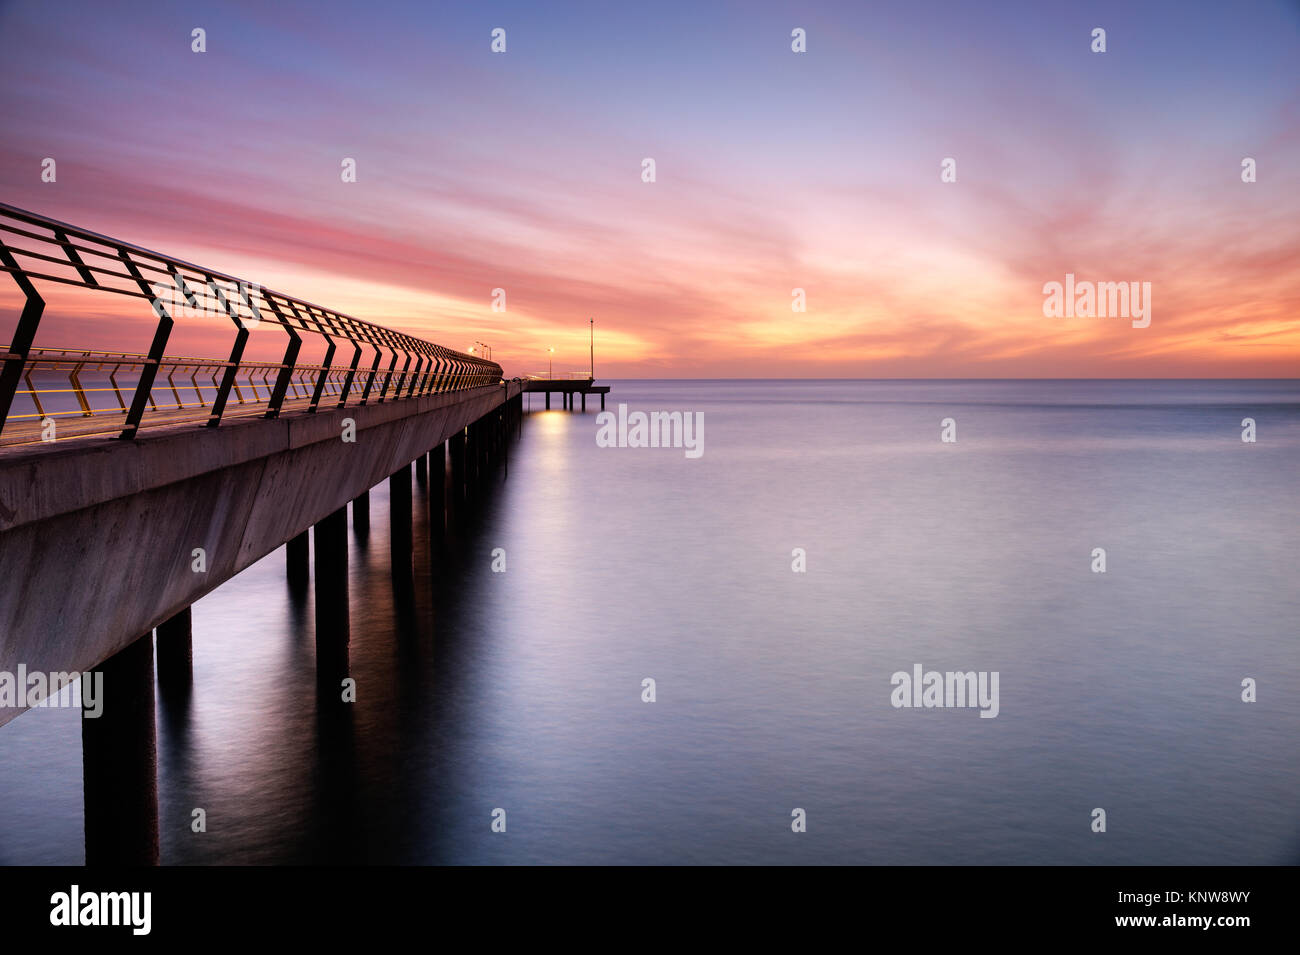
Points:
(522, 690)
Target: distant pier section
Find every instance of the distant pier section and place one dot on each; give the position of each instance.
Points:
(567, 388)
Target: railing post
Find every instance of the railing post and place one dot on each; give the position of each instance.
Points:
(286, 367)
(420, 377)
(352, 373)
(401, 378)
(415, 376)
(144, 388)
(396, 343)
(374, 370)
(388, 377)
(236, 353)
(327, 361)
(24, 335)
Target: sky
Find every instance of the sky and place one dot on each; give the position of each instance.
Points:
(774, 171)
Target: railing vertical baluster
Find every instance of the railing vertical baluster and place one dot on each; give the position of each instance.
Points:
(415, 376)
(409, 377)
(374, 370)
(328, 361)
(388, 377)
(352, 372)
(286, 366)
(144, 387)
(236, 353)
(430, 383)
(24, 334)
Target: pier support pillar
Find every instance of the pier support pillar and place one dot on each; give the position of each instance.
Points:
(506, 426)
(602, 402)
(361, 513)
(584, 402)
(296, 560)
(548, 401)
(119, 756)
(332, 624)
(484, 425)
(477, 438)
(399, 513)
(469, 462)
(438, 491)
(175, 652)
(421, 475)
(456, 490)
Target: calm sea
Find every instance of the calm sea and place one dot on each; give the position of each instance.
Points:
(522, 690)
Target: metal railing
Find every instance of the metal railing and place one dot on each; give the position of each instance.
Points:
(34, 247)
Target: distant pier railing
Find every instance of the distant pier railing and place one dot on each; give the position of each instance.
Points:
(571, 376)
(72, 383)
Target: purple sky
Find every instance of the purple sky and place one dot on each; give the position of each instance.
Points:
(775, 170)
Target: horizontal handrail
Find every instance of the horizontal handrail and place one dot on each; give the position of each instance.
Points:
(37, 248)
(198, 382)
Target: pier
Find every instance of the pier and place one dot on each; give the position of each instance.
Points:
(171, 474)
(568, 389)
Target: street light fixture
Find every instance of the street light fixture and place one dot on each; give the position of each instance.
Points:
(550, 372)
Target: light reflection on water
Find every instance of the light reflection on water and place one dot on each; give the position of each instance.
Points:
(522, 690)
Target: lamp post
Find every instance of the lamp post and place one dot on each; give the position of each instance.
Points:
(550, 361)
